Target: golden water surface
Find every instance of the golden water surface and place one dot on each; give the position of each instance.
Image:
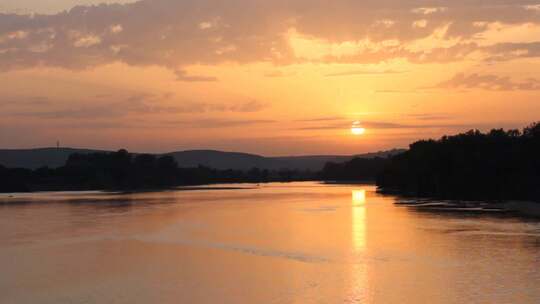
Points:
(274, 243)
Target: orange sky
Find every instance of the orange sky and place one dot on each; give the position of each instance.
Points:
(268, 77)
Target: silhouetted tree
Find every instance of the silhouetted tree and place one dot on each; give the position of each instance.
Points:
(357, 169)
(473, 165)
(124, 171)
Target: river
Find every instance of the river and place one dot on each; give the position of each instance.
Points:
(271, 243)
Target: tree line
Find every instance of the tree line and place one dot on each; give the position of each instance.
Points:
(357, 169)
(497, 165)
(122, 170)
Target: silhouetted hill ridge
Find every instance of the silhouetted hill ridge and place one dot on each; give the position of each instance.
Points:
(39, 157)
(56, 157)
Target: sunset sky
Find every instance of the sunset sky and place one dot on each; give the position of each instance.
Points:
(282, 77)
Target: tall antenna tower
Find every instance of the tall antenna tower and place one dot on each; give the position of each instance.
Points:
(58, 144)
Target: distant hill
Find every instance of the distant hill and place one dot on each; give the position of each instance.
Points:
(244, 161)
(222, 160)
(53, 157)
(317, 162)
(36, 158)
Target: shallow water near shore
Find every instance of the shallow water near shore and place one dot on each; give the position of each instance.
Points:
(274, 243)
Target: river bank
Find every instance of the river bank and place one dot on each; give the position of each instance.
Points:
(514, 207)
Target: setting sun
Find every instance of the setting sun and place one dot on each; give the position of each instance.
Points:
(358, 130)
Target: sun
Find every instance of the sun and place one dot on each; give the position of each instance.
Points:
(356, 129)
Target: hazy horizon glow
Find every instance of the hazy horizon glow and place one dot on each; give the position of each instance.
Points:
(267, 77)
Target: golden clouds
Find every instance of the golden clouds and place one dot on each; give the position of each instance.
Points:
(280, 32)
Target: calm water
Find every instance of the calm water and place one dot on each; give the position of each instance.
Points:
(277, 243)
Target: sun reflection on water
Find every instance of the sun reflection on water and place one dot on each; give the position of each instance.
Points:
(359, 220)
(359, 196)
(358, 269)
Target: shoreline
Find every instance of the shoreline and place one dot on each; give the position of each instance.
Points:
(16, 197)
(186, 187)
(511, 207)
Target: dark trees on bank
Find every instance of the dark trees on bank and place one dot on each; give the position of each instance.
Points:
(495, 165)
(124, 171)
(357, 169)
(118, 170)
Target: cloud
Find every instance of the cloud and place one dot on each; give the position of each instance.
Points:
(87, 41)
(339, 122)
(488, 82)
(319, 119)
(176, 34)
(346, 124)
(104, 123)
(182, 75)
(363, 72)
(429, 10)
(247, 107)
(509, 51)
(141, 104)
(422, 23)
(390, 91)
(117, 28)
(388, 125)
(277, 74)
(24, 101)
(217, 123)
(533, 7)
(429, 116)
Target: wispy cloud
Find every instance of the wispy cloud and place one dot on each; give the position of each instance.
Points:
(388, 91)
(279, 74)
(429, 116)
(347, 124)
(363, 72)
(429, 10)
(319, 119)
(217, 123)
(488, 82)
(141, 104)
(24, 101)
(182, 75)
(387, 125)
